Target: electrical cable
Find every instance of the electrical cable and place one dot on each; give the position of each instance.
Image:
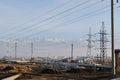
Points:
(88, 14)
(30, 29)
(32, 19)
(49, 18)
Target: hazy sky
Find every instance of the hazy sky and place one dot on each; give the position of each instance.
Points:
(56, 19)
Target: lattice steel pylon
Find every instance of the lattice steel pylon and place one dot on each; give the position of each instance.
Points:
(89, 46)
(103, 43)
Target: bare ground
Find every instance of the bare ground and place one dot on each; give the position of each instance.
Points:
(33, 72)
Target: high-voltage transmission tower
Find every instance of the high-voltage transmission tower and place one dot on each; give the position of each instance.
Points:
(89, 46)
(15, 50)
(103, 43)
(71, 52)
(31, 51)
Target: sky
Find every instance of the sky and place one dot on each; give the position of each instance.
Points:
(66, 20)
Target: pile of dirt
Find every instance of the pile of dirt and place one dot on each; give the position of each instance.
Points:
(22, 69)
(7, 68)
(51, 71)
(16, 68)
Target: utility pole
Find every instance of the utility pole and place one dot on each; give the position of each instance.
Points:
(71, 52)
(31, 51)
(112, 38)
(15, 50)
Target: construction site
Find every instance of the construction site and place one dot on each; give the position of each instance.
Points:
(98, 67)
(89, 67)
(59, 40)
(36, 70)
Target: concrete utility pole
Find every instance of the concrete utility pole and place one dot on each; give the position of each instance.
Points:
(112, 38)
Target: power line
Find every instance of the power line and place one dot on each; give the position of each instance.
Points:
(88, 14)
(30, 29)
(58, 25)
(35, 34)
(91, 13)
(51, 17)
(19, 26)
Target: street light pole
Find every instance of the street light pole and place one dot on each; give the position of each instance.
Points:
(112, 38)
